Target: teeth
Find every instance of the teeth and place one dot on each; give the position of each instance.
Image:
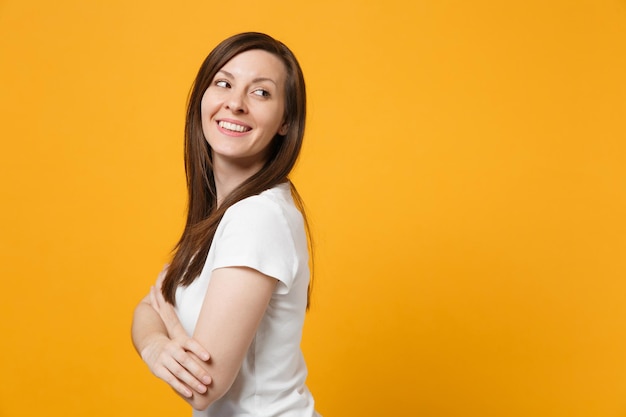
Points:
(233, 127)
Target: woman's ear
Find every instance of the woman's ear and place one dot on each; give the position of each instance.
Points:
(283, 129)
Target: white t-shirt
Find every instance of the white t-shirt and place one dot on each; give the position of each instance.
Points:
(264, 232)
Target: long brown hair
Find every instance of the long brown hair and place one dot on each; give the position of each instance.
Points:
(203, 212)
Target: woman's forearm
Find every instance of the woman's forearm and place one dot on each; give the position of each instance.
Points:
(177, 361)
(147, 326)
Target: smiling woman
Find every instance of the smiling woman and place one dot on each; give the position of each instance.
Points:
(243, 110)
(239, 277)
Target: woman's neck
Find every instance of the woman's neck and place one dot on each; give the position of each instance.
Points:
(230, 174)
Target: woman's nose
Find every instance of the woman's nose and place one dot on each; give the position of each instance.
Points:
(236, 102)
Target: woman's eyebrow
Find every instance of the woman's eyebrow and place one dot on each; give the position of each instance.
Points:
(256, 80)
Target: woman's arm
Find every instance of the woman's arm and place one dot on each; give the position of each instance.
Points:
(179, 361)
(234, 304)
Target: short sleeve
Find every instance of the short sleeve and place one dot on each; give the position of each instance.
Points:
(254, 233)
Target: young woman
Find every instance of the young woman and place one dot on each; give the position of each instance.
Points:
(239, 277)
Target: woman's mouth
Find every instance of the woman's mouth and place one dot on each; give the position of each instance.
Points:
(233, 127)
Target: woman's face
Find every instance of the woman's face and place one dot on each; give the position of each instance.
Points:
(244, 107)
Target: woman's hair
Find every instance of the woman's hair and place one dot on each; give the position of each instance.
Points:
(203, 213)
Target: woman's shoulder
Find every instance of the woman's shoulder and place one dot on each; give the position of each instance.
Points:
(273, 200)
(271, 204)
(265, 219)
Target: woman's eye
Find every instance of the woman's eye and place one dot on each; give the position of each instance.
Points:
(222, 83)
(261, 92)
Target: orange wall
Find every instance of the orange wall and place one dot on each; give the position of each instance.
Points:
(465, 172)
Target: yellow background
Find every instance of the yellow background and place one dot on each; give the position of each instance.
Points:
(464, 171)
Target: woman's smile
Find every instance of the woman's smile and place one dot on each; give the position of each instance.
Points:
(231, 127)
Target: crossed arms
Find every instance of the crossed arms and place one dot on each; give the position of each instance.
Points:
(234, 304)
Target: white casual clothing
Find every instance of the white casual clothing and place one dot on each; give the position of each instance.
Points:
(264, 232)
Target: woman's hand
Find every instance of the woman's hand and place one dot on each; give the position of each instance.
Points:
(168, 315)
(165, 309)
(174, 364)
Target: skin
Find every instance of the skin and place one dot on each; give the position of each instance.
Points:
(164, 345)
(248, 91)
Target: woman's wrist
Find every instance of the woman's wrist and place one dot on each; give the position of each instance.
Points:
(150, 347)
